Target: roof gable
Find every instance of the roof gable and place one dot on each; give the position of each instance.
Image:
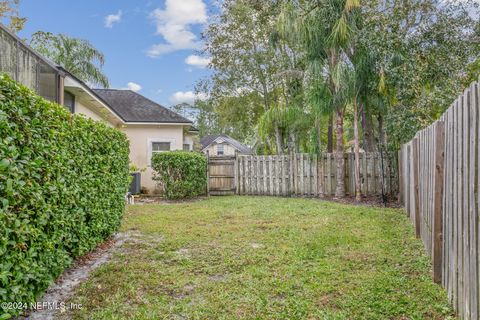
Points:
(134, 107)
(223, 138)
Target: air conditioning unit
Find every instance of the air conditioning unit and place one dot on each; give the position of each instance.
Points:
(135, 185)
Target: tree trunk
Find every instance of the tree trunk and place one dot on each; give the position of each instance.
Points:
(295, 142)
(358, 193)
(291, 143)
(319, 134)
(367, 124)
(381, 131)
(330, 133)
(279, 139)
(339, 155)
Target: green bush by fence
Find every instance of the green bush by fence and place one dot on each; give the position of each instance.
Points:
(181, 174)
(63, 180)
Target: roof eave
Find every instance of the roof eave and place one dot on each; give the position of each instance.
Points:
(208, 145)
(84, 87)
(151, 123)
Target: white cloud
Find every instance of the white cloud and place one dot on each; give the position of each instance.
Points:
(187, 97)
(113, 18)
(173, 24)
(197, 61)
(134, 86)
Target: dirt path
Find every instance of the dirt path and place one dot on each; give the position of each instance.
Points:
(59, 292)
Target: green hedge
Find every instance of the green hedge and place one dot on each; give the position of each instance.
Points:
(63, 180)
(181, 174)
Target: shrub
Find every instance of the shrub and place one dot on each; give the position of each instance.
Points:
(181, 174)
(63, 180)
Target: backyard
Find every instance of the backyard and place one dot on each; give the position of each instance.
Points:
(264, 258)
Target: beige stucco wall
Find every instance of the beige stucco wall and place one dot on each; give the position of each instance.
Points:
(81, 108)
(192, 139)
(228, 150)
(141, 137)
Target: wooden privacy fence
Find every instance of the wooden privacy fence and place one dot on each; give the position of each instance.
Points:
(300, 175)
(439, 184)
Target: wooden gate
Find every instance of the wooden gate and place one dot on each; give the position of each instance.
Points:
(221, 175)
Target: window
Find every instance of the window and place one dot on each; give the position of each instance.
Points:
(186, 147)
(69, 101)
(220, 150)
(160, 146)
(47, 82)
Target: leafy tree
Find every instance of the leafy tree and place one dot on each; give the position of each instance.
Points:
(426, 51)
(78, 56)
(207, 120)
(244, 64)
(9, 12)
(186, 110)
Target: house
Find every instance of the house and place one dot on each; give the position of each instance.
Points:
(149, 126)
(223, 145)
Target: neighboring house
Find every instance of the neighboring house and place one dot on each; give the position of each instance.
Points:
(149, 127)
(223, 145)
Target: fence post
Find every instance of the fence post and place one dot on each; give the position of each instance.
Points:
(437, 238)
(291, 172)
(236, 169)
(416, 196)
(401, 178)
(208, 173)
(408, 183)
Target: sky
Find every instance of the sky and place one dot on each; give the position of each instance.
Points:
(150, 46)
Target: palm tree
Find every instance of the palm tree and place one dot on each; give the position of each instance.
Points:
(78, 56)
(351, 86)
(326, 29)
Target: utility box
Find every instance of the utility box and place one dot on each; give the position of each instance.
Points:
(135, 185)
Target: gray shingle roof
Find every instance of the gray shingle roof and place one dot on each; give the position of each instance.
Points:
(207, 140)
(133, 107)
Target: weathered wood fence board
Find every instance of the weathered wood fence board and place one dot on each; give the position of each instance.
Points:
(221, 175)
(300, 175)
(439, 187)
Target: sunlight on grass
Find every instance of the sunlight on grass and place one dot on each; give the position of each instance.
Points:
(264, 258)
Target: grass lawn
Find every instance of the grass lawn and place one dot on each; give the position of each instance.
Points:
(264, 258)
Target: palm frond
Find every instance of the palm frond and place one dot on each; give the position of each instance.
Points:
(78, 56)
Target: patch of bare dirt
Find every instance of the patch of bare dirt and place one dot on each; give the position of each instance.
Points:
(255, 245)
(327, 299)
(58, 293)
(217, 277)
(145, 199)
(372, 201)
